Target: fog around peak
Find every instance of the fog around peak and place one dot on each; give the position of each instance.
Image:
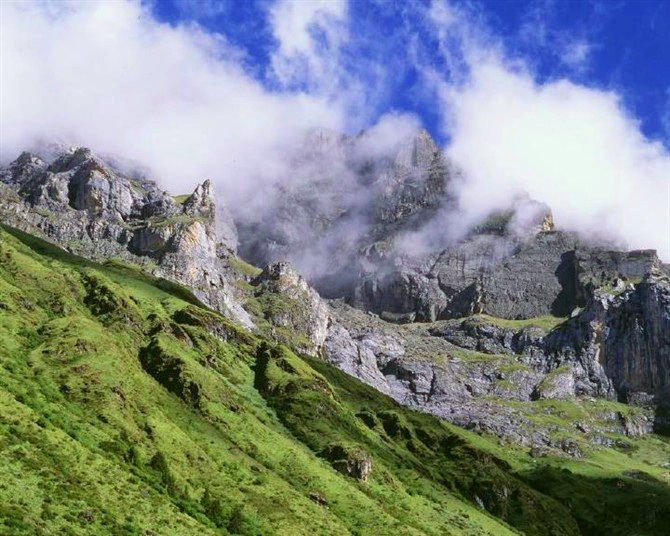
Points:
(181, 100)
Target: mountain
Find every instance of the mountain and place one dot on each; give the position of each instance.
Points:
(510, 378)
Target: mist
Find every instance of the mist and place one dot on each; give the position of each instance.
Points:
(180, 100)
(574, 147)
(108, 76)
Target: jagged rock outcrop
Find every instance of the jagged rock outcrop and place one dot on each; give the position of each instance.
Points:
(509, 276)
(621, 340)
(289, 302)
(414, 182)
(91, 208)
(350, 213)
(339, 198)
(514, 313)
(350, 460)
(616, 346)
(472, 372)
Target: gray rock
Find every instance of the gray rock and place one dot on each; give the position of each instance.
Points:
(89, 207)
(293, 304)
(558, 384)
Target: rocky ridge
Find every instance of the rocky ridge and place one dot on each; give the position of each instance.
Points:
(514, 315)
(92, 209)
(607, 310)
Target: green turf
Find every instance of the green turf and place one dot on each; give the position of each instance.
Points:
(181, 199)
(128, 408)
(546, 322)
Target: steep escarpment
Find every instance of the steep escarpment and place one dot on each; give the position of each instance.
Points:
(518, 310)
(93, 209)
(125, 409)
(604, 312)
(293, 394)
(343, 195)
(625, 331)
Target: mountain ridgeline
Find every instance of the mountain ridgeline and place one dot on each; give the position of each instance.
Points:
(347, 360)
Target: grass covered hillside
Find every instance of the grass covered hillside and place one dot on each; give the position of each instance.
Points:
(128, 408)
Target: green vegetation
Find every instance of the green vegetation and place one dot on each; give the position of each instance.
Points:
(181, 199)
(177, 219)
(129, 408)
(546, 322)
(496, 222)
(45, 213)
(616, 290)
(244, 268)
(475, 356)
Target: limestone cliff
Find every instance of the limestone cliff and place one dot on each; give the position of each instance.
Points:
(89, 207)
(514, 311)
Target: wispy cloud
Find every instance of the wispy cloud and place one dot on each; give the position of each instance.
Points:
(108, 75)
(574, 147)
(202, 9)
(576, 54)
(309, 35)
(540, 33)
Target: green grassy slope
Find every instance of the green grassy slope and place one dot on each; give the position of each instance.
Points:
(128, 408)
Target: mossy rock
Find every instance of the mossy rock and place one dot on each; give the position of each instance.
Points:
(394, 425)
(210, 321)
(368, 418)
(107, 303)
(350, 460)
(170, 370)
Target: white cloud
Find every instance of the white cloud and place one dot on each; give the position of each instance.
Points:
(576, 54)
(309, 33)
(107, 75)
(540, 32)
(573, 147)
(385, 138)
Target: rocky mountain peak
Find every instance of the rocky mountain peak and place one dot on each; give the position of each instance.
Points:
(324, 140)
(282, 272)
(93, 209)
(417, 152)
(547, 223)
(201, 201)
(303, 311)
(74, 157)
(24, 167)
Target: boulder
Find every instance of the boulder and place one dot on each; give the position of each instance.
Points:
(350, 460)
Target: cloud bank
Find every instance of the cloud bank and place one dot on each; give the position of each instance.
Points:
(309, 36)
(109, 76)
(573, 147)
(177, 98)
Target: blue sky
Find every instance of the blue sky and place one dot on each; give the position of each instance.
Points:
(620, 45)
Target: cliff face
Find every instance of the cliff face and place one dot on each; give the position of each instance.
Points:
(474, 331)
(622, 338)
(95, 210)
(548, 314)
(340, 199)
(637, 349)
